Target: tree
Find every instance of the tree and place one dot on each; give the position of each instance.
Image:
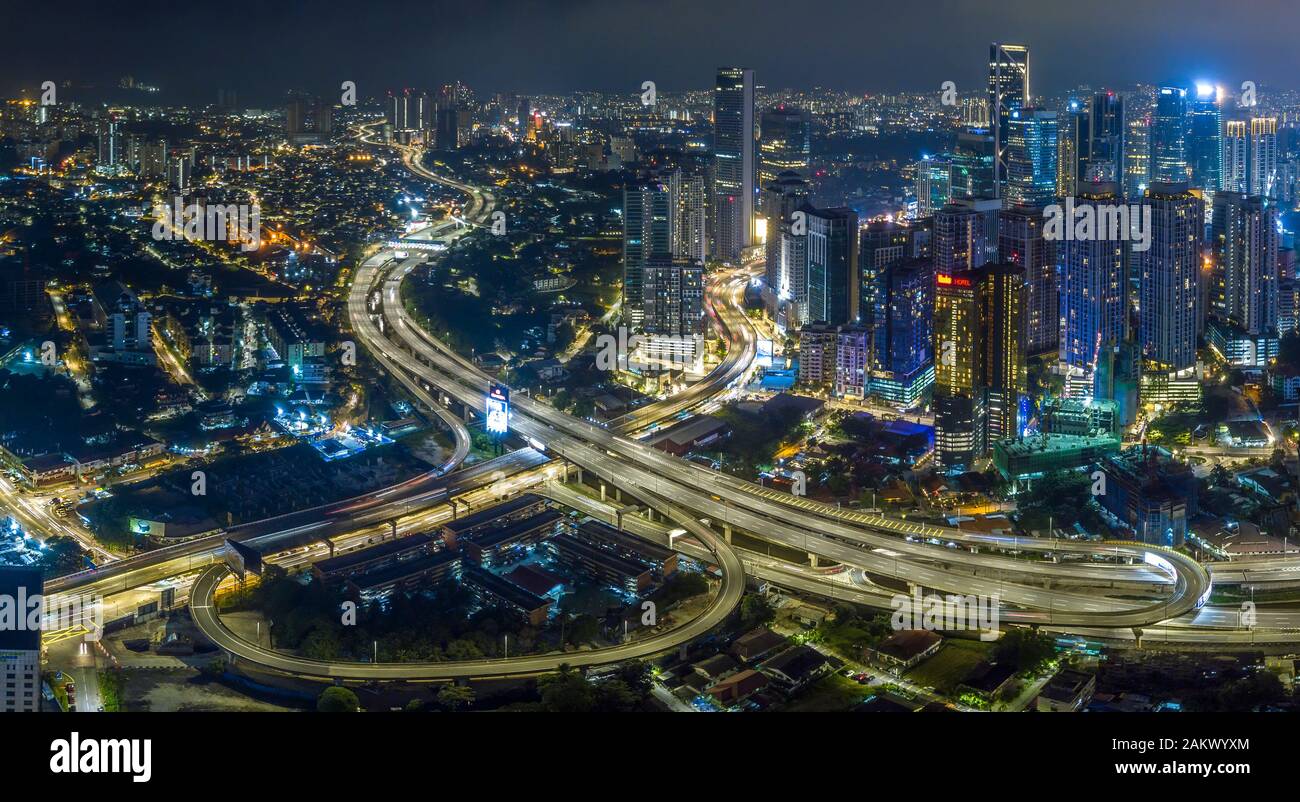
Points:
(454, 697)
(637, 675)
(337, 699)
(566, 691)
(1026, 649)
(755, 611)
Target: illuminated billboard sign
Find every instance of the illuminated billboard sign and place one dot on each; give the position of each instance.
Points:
(498, 409)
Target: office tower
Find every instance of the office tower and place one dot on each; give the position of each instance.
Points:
(110, 142)
(959, 239)
(1137, 146)
(1071, 136)
(902, 343)
(673, 297)
(1246, 262)
(1169, 129)
(786, 270)
(833, 274)
(1093, 291)
(1263, 157)
(1099, 139)
(649, 209)
(971, 160)
(733, 148)
(1021, 243)
(1008, 92)
(1002, 298)
(20, 645)
(1169, 270)
(785, 143)
(933, 185)
(882, 244)
(1205, 138)
(959, 397)
(1031, 155)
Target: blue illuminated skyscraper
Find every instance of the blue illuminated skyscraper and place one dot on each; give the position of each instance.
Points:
(1205, 138)
(1031, 157)
(1169, 134)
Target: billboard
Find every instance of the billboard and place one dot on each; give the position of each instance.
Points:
(497, 409)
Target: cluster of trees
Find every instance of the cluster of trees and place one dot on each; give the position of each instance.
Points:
(1060, 500)
(756, 436)
(568, 691)
(1025, 648)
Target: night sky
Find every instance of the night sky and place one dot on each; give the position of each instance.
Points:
(192, 48)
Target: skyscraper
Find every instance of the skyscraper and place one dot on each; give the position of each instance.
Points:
(1236, 157)
(1021, 243)
(1031, 156)
(1245, 260)
(1205, 138)
(787, 236)
(1169, 131)
(933, 185)
(833, 273)
(1169, 294)
(110, 142)
(883, 244)
(1008, 91)
(1099, 140)
(673, 297)
(1137, 145)
(959, 411)
(903, 342)
(733, 148)
(1094, 291)
(785, 143)
(971, 164)
(692, 212)
(1002, 299)
(649, 209)
(959, 239)
(1263, 157)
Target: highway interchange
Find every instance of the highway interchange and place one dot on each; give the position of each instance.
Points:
(1106, 590)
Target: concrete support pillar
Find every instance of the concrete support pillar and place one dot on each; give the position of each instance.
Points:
(602, 491)
(618, 495)
(812, 559)
(726, 532)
